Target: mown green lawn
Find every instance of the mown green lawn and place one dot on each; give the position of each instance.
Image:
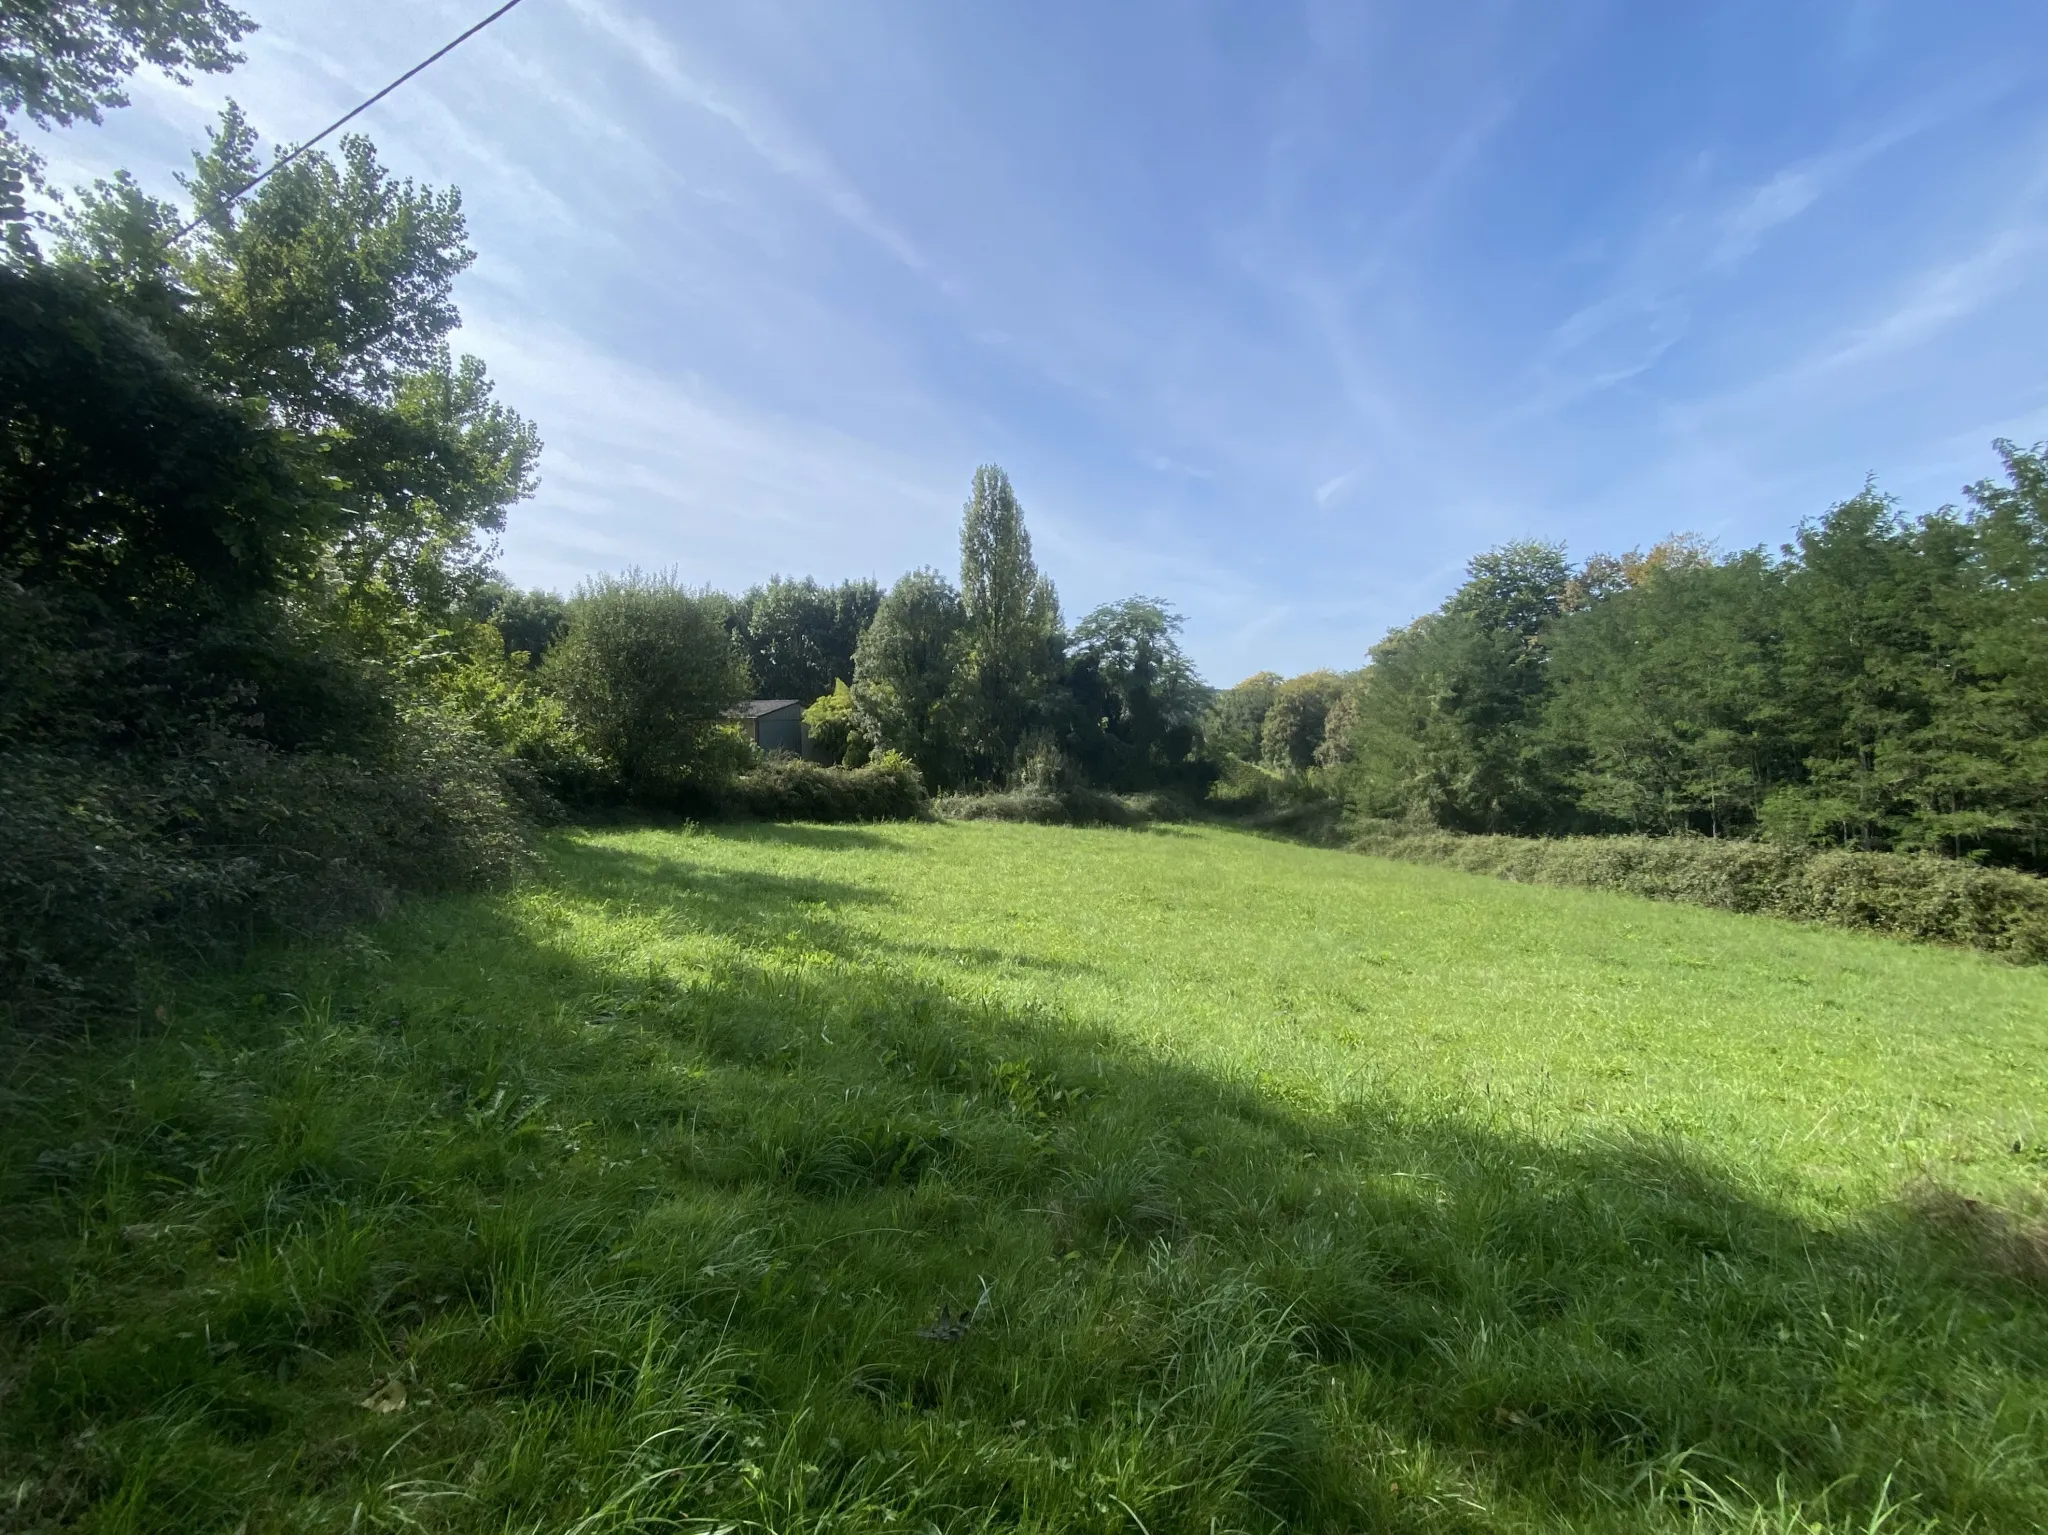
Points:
(972, 1176)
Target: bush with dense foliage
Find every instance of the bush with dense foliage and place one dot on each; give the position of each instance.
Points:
(113, 863)
(833, 727)
(1072, 806)
(648, 676)
(1917, 896)
(791, 789)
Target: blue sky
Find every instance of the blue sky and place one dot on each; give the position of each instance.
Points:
(1278, 312)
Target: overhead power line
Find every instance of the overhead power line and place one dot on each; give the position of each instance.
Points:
(340, 122)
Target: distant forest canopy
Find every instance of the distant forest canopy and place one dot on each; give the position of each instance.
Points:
(980, 684)
(1880, 683)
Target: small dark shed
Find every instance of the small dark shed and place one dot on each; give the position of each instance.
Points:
(775, 725)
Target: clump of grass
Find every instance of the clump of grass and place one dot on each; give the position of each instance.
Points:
(2010, 1242)
(633, 1201)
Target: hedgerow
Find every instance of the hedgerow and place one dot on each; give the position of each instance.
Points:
(1915, 896)
(791, 789)
(111, 864)
(1064, 807)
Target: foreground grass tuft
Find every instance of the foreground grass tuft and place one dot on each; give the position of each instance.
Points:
(1011, 1177)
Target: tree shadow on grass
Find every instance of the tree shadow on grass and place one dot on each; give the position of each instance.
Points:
(961, 1263)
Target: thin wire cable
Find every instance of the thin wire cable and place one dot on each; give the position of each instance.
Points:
(340, 122)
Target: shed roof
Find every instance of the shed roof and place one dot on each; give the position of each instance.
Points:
(755, 708)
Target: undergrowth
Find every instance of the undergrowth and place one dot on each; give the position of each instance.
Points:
(1916, 896)
(791, 789)
(1072, 806)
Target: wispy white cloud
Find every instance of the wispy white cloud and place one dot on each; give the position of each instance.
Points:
(1778, 201)
(757, 124)
(1330, 488)
(1696, 242)
(653, 467)
(1950, 291)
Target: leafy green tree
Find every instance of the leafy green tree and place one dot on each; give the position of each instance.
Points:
(1236, 715)
(2004, 714)
(649, 677)
(1292, 732)
(527, 622)
(65, 61)
(1340, 722)
(907, 693)
(156, 531)
(1014, 645)
(1137, 701)
(799, 637)
(1664, 708)
(326, 298)
(1875, 613)
(834, 728)
(1446, 729)
(125, 475)
(1512, 592)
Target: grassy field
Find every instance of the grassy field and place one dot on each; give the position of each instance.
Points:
(979, 1176)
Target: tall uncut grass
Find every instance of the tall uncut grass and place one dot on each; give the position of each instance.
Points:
(977, 1176)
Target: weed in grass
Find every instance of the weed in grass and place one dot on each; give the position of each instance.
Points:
(1257, 1188)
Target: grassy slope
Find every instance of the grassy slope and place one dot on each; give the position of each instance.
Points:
(1281, 1187)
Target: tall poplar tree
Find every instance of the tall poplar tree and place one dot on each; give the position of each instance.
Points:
(1015, 639)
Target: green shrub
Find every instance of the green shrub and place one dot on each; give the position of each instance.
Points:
(110, 864)
(1065, 807)
(500, 698)
(1915, 896)
(834, 735)
(648, 676)
(1300, 805)
(1315, 820)
(791, 789)
(1161, 805)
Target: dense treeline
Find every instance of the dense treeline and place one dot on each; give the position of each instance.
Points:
(1880, 684)
(976, 686)
(983, 685)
